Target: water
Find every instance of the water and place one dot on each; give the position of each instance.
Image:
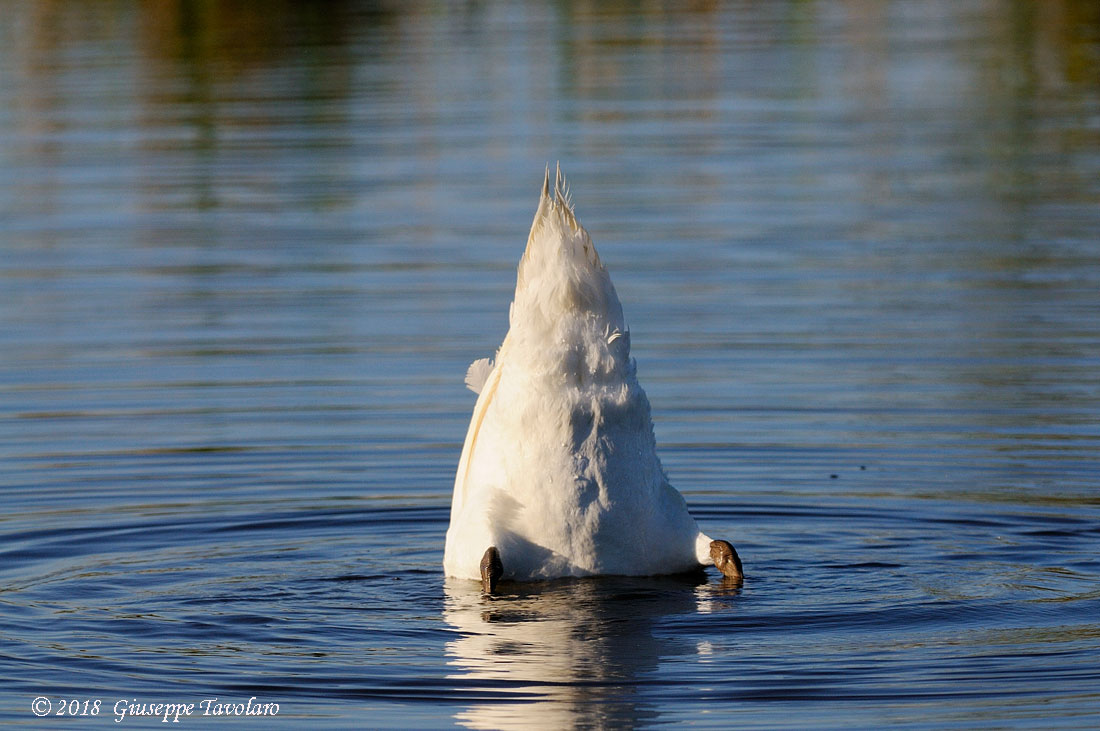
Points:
(247, 254)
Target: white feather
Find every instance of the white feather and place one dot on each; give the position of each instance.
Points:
(478, 373)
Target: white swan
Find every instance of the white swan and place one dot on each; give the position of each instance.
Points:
(559, 475)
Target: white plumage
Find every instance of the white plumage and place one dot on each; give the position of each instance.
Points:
(559, 470)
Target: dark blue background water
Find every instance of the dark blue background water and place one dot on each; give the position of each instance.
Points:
(248, 250)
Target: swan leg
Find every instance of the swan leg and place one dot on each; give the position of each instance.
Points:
(725, 559)
(491, 569)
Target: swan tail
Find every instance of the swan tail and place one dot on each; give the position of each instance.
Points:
(561, 272)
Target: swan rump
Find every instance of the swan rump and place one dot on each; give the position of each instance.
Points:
(559, 470)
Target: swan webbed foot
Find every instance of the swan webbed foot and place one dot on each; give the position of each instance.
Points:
(725, 560)
(491, 569)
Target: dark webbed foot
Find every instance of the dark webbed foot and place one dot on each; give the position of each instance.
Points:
(725, 559)
(491, 569)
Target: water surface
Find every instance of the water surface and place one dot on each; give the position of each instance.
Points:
(247, 254)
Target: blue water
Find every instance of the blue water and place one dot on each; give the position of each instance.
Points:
(248, 250)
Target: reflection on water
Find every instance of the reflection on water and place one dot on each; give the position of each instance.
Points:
(247, 252)
(572, 652)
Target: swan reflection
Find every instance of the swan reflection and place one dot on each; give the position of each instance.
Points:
(570, 652)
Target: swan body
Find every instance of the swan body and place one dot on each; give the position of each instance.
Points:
(559, 470)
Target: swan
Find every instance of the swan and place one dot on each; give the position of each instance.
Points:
(559, 474)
